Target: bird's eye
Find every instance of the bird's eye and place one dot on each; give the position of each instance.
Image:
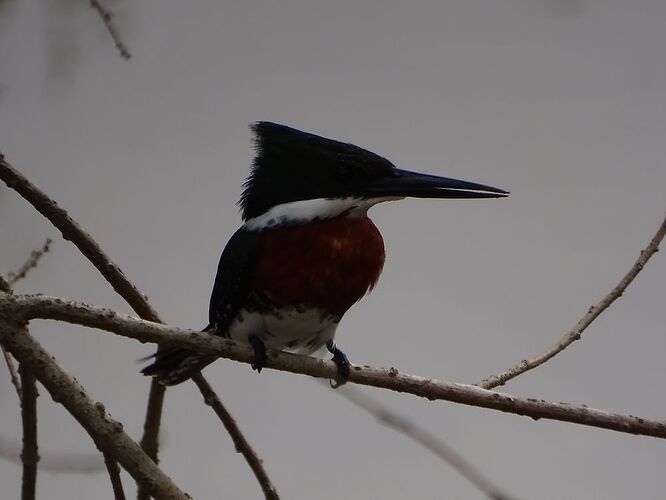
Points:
(343, 172)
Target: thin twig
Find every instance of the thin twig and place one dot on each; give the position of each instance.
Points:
(150, 440)
(428, 440)
(29, 264)
(126, 289)
(106, 432)
(114, 475)
(592, 314)
(29, 455)
(241, 444)
(13, 374)
(107, 19)
(26, 308)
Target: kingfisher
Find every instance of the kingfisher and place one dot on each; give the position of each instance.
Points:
(307, 250)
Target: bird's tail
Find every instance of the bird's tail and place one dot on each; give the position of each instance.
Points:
(173, 366)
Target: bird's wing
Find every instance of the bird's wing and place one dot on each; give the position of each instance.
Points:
(233, 282)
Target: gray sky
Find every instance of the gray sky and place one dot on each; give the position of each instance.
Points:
(561, 102)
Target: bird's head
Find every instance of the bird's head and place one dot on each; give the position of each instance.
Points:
(297, 177)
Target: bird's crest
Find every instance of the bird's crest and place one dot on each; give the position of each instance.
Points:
(291, 165)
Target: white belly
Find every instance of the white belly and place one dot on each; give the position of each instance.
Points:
(287, 329)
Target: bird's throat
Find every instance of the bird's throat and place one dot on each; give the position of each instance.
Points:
(328, 264)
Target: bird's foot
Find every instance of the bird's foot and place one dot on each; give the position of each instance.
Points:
(342, 362)
(259, 352)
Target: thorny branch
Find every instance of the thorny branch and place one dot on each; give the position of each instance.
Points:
(26, 308)
(592, 314)
(107, 19)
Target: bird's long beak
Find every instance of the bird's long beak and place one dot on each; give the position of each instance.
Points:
(406, 184)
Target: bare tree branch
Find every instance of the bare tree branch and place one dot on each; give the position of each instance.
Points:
(107, 19)
(29, 264)
(6, 287)
(29, 455)
(13, 374)
(126, 289)
(106, 432)
(241, 444)
(114, 474)
(25, 308)
(592, 314)
(428, 440)
(71, 231)
(387, 419)
(150, 441)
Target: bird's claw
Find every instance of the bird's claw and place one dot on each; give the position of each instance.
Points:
(343, 365)
(259, 353)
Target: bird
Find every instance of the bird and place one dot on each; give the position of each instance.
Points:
(306, 251)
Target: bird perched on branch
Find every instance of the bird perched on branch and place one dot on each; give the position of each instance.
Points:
(306, 251)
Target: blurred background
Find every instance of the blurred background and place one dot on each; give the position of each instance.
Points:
(562, 102)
